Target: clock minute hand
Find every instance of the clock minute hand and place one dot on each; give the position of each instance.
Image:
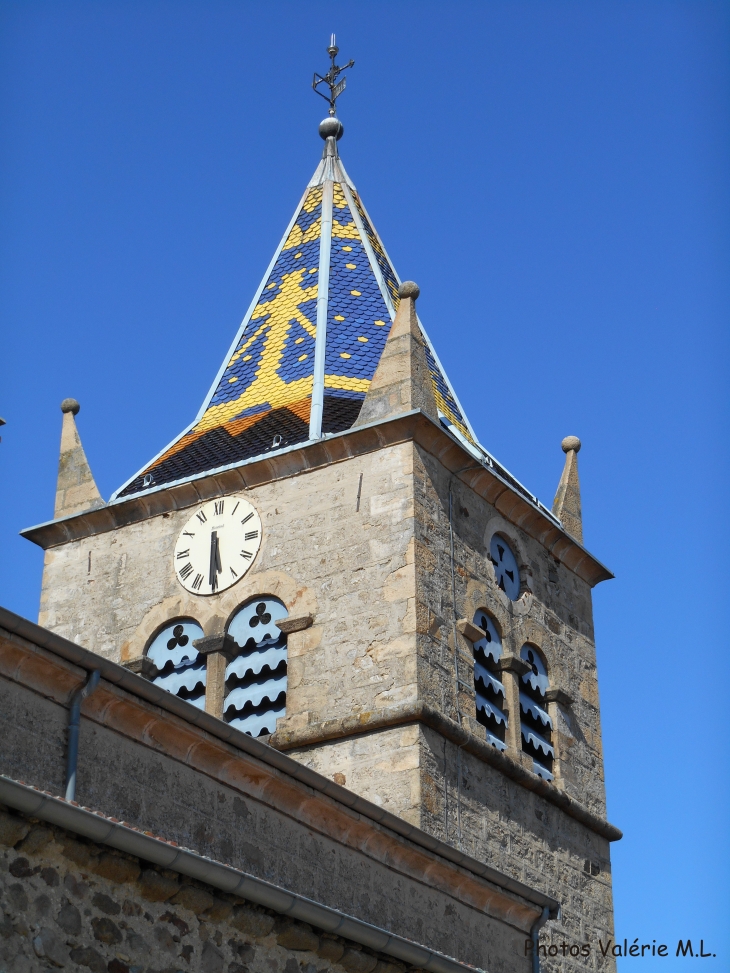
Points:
(215, 561)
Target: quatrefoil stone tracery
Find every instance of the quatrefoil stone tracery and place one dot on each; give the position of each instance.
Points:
(506, 572)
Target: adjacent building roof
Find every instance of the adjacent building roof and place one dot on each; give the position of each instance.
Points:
(306, 351)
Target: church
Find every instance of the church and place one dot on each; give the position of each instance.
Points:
(316, 688)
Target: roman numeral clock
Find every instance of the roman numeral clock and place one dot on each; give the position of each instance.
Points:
(217, 546)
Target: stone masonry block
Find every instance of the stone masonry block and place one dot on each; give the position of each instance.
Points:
(330, 949)
(36, 840)
(252, 922)
(469, 630)
(356, 961)
(296, 935)
(195, 899)
(157, 887)
(116, 867)
(12, 829)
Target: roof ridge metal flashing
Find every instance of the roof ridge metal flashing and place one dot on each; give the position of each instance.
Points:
(330, 168)
(323, 288)
(374, 265)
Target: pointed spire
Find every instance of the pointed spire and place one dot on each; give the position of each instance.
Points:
(402, 380)
(566, 505)
(304, 356)
(76, 490)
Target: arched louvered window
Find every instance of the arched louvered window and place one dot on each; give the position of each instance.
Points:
(180, 669)
(256, 679)
(537, 727)
(490, 696)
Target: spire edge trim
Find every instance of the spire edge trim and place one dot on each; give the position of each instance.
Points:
(323, 287)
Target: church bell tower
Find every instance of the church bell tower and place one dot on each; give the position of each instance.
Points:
(328, 559)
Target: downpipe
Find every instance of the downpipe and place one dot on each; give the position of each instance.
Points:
(74, 718)
(535, 937)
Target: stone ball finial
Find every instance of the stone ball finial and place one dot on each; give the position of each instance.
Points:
(331, 128)
(70, 405)
(571, 442)
(409, 289)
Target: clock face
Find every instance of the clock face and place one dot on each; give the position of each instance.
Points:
(217, 546)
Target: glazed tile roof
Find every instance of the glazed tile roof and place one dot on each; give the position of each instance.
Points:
(279, 385)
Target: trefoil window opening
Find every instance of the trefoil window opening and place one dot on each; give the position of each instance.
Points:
(490, 696)
(255, 682)
(181, 669)
(536, 724)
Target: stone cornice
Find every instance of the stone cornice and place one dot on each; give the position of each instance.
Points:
(410, 427)
(420, 712)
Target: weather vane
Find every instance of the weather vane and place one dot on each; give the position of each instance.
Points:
(330, 79)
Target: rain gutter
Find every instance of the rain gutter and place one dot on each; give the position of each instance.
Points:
(105, 831)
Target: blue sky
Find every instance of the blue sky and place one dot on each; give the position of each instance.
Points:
(553, 175)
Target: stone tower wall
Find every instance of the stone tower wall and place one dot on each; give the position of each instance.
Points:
(555, 614)
(337, 543)
(363, 546)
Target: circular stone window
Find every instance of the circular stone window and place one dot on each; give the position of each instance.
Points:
(505, 567)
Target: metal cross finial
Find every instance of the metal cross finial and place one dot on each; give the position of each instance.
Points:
(330, 79)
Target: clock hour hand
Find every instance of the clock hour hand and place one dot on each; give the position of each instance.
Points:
(215, 561)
